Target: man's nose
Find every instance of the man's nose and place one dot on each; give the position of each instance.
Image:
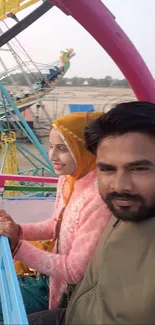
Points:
(121, 182)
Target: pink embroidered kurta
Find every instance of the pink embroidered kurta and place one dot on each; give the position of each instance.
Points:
(84, 220)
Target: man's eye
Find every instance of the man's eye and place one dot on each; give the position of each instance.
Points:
(139, 169)
(106, 169)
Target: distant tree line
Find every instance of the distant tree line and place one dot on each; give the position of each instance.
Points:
(108, 81)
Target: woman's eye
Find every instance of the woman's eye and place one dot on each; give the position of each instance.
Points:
(63, 148)
(58, 148)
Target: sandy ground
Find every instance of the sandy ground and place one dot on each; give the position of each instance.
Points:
(101, 98)
(56, 105)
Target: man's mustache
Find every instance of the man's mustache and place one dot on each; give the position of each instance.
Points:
(123, 196)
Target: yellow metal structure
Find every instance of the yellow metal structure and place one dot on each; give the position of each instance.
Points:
(9, 158)
(13, 6)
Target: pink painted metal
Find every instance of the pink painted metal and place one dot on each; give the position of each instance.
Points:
(100, 23)
(23, 178)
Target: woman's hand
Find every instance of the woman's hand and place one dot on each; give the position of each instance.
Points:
(9, 228)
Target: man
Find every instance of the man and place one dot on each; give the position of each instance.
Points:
(119, 284)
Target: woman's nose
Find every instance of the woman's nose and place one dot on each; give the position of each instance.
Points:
(53, 155)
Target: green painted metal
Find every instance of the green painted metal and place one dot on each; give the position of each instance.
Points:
(24, 188)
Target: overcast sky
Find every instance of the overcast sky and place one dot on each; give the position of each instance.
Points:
(55, 31)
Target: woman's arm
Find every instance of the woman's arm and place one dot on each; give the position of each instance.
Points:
(39, 230)
(71, 267)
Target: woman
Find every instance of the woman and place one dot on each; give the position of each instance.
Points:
(80, 215)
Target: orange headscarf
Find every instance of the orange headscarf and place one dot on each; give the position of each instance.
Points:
(72, 129)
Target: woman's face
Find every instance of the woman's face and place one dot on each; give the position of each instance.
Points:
(60, 155)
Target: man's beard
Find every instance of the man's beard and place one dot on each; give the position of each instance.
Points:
(123, 213)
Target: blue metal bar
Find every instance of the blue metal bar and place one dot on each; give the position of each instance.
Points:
(26, 156)
(32, 169)
(11, 298)
(21, 127)
(26, 126)
(1, 128)
(27, 171)
(35, 172)
(32, 155)
(41, 196)
(42, 162)
(5, 109)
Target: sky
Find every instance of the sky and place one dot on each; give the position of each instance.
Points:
(55, 31)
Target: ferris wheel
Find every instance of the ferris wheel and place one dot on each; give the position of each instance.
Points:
(40, 79)
(9, 8)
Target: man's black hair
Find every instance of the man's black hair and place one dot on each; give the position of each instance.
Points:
(134, 116)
